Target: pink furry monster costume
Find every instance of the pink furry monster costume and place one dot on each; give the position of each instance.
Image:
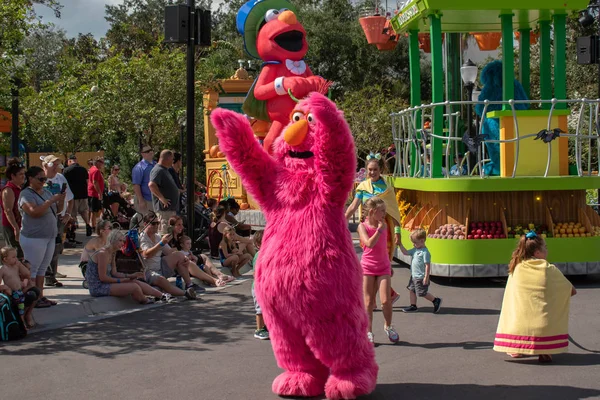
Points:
(308, 278)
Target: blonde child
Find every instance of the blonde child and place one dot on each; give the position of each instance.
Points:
(534, 320)
(420, 268)
(231, 255)
(17, 285)
(261, 331)
(376, 266)
(185, 243)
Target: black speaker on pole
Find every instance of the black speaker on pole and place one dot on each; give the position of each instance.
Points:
(177, 27)
(587, 50)
(203, 28)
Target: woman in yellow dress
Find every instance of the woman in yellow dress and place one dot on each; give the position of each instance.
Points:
(535, 311)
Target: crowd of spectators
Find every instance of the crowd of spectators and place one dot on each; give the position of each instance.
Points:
(41, 204)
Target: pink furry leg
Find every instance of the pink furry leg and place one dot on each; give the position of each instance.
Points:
(305, 376)
(346, 350)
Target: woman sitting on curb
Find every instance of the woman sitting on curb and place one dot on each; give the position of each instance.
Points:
(104, 280)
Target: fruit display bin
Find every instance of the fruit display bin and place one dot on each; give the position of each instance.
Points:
(504, 211)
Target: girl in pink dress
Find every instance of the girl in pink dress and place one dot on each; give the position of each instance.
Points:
(376, 265)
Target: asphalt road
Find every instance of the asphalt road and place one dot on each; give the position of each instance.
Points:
(205, 350)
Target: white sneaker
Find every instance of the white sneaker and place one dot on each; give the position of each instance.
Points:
(167, 298)
(391, 333)
(371, 337)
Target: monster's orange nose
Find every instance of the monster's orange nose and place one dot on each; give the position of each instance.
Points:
(288, 17)
(296, 133)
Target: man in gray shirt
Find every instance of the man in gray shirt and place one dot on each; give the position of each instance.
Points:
(165, 193)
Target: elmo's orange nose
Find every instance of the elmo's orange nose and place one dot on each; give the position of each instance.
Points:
(296, 133)
(288, 17)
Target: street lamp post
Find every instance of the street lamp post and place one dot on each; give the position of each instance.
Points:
(468, 73)
(191, 120)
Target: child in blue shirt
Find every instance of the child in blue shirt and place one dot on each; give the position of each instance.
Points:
(418, 284)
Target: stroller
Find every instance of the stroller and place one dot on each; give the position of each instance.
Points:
(126, 210)
(202, 220)
(128, 259)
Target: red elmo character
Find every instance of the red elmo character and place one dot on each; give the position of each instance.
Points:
(272, 33)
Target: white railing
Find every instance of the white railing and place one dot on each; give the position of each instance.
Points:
(409, 132)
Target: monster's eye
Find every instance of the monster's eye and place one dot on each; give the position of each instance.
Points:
(271, 14)
(310, 118)
(282, 10)
(297, 116)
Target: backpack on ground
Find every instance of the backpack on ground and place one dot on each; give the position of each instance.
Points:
(11, 326)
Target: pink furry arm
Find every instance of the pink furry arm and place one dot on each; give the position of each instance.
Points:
(246, 156)
(337, 157)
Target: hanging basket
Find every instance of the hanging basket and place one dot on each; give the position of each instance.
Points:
(533, 37)
(373, 27)
(488, 41)
(392, 41)
(425, 42)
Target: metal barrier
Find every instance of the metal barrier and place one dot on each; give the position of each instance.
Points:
(409, 133)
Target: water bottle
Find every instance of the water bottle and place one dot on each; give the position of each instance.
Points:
(179, 282)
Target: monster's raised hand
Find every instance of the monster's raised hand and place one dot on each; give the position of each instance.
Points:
(244, 153)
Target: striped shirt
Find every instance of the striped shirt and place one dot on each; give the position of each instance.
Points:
(378, 188)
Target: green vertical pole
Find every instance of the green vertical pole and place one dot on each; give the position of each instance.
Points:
(508, 62)
(560, 61)
(525, 60)
(437, 89)
(454, 83)
(545, 63)
(414, 57)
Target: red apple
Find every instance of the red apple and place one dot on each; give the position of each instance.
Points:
(490, 236)
(470, 237)
(476, 236)
(478, 231)
(496, 236)
(502, 236)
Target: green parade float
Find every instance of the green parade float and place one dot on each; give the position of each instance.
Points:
(474, 220)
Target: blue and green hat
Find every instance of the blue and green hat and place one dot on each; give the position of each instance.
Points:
(251, 15)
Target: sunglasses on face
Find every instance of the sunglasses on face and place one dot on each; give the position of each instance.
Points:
(155, 223)
(41, 178)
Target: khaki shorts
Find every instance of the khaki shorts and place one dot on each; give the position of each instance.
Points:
(163, 218)
(80, 206)
(416, 286)
(136, 205)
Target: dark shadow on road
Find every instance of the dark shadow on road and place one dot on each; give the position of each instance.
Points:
(424, 391)
(574, 359)
(190, 326)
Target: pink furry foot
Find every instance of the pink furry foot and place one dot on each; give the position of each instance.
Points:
(300, 384)
(351, 385)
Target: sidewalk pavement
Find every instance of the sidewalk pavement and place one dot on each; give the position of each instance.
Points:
(76, 306)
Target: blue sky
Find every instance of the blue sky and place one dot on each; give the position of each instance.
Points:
(82, 16)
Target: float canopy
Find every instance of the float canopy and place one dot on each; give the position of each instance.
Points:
(480, 15)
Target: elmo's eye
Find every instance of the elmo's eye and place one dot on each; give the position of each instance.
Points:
(283, 9)
(271, 14)
(297, 116)
(310, 118)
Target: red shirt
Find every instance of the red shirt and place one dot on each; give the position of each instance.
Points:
(17, 191)
(95, 176)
